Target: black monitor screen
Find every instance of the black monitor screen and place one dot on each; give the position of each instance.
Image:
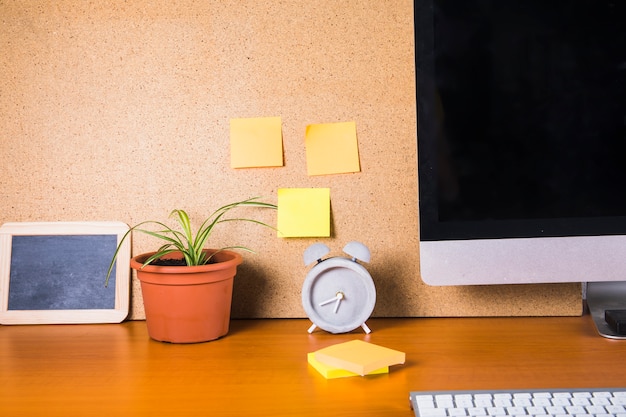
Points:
(521, 117)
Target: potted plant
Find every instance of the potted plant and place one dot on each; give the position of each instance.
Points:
(186, 287)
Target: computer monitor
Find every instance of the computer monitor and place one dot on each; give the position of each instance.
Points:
(522, 144)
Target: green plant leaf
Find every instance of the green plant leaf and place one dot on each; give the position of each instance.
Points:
(183, 240)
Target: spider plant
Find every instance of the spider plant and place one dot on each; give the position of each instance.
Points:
(184, 241)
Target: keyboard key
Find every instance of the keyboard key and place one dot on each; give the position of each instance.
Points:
(535, 411)
(426, 401)
(483, 397)
(503, 402)
(522, 402)
(575, 409)
(464, 401)
(555, 409)
(581, 401)
(456, 412)
(432, 412)
(516, 411)
(618, 400)
(483, 402)
(595, 409)
(496, 411)
(444, 401)
(542, 401)
(563, 401)
(476, 411)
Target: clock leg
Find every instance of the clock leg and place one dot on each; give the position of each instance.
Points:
(312, 328)
(366, 329)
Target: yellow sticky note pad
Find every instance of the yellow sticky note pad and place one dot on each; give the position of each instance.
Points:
(359, 357)
(256, 142)
(330, 372)
(332, 148)
(303, 212)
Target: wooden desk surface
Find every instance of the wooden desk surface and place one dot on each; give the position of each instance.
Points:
(260, 368)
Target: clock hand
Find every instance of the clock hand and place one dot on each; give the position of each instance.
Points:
(337, 305)
(330, 300)
(339, 298)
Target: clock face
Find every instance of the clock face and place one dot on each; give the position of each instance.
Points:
(338, 295)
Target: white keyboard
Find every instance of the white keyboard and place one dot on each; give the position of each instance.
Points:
(513, 403)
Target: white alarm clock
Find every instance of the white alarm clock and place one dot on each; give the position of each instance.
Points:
(338, 294)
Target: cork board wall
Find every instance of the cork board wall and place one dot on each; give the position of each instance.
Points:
(116, 110)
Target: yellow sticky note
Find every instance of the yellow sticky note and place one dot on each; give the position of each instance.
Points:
(303, 212)
(332, 148)
(359, 357)
(256, 142)
(330, 372)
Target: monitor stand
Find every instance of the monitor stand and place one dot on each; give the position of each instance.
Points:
(606, 296)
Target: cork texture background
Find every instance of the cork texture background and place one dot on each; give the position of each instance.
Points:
(116, 110)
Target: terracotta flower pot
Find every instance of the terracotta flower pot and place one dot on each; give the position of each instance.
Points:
(187, 304)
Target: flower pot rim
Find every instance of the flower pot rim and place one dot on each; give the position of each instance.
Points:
(233, 260)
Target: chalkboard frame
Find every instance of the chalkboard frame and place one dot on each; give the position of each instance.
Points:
(65, 316)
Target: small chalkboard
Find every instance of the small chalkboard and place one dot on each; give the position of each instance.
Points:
(54, 273)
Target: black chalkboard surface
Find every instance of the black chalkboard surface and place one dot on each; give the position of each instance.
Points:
(61, 272)
(54, 273)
